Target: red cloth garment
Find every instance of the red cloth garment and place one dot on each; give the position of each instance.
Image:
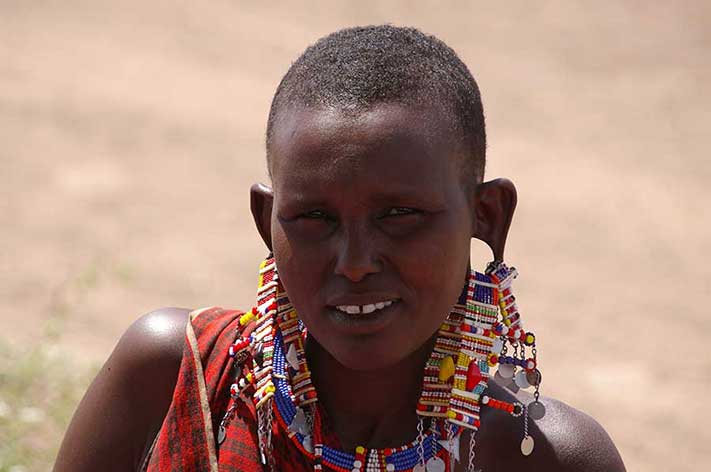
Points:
(187, 439)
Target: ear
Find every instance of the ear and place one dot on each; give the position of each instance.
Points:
(494, 205)
(261, 201)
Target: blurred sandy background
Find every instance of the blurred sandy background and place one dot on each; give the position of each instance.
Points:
(130, 132)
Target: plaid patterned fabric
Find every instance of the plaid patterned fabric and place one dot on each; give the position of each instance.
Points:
(187, 440)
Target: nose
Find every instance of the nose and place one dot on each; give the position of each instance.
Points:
(357, 255)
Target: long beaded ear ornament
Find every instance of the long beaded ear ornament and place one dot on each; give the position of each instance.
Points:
(483, 330)
(471, 342)
(519, 370)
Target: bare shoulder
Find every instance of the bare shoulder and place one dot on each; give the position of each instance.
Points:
(124, 407)
(565, 439)
(158, 336)
(149, 354)
(579, 442)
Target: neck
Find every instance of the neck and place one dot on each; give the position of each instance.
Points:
(374, 409)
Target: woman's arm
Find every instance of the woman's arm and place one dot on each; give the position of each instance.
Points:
(124, 407)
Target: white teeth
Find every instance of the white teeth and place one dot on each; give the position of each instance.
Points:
(365, 309)
(353, 309)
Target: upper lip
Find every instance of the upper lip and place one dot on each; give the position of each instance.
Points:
(361, 299)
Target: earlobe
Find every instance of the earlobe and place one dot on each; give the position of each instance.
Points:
(261, 202)
(494, 206)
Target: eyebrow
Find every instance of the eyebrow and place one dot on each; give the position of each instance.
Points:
(317, 197)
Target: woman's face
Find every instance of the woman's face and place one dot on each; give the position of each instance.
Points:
(370, 227)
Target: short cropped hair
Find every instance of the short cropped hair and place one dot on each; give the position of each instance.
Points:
(356, 68)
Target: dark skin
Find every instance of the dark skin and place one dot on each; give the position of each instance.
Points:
(373, 209)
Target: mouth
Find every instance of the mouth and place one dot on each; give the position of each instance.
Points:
(365, 309)
(364, 319)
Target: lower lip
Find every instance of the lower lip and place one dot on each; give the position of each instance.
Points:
(363, 323)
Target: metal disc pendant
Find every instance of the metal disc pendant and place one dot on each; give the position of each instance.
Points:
(527, 446)
(506, 370)
(534, 377)
(308, 444)
(299, 423)
(536, 410)
(435, 465)
(521, 379)
(292, 357)
(499, 379)
(221, 434)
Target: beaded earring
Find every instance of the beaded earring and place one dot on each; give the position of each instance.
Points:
(519, 370)
(473, 339)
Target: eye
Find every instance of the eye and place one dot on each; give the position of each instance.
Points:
(401, 211)
(310, 225)
(315, 215)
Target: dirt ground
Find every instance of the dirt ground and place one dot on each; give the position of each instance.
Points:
(130, 132)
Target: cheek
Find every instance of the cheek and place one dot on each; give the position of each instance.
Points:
(444, 278)
(283, 251)
(435, 268)
(298, 269)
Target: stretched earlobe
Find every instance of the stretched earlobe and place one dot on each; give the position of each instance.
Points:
(494, 206)
(261, 202)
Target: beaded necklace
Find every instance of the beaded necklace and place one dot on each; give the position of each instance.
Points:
(472, 339)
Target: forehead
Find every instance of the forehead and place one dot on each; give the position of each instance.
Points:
(387, 139)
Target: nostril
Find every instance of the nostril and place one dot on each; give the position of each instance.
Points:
(357, 269)
(355, 273)
(357, 259)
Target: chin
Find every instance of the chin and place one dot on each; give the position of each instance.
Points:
(368, 354)
(370, 343)
(370, 361)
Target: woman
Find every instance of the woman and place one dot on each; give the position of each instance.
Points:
(372, 342)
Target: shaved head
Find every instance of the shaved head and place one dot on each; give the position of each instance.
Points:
(354, 69)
